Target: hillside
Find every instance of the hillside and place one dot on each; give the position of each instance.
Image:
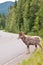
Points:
(4, 6)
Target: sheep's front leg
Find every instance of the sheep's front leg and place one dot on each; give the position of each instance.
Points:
(36, 46)
(28, 51)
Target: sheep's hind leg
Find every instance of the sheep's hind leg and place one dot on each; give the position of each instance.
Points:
(36, 46)
(40, 47)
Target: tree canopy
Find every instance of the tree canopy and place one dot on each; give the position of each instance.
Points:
(25, 15)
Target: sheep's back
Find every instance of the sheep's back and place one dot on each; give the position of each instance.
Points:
(33, 40)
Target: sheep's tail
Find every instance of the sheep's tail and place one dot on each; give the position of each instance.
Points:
(40, 40)
(40, 45)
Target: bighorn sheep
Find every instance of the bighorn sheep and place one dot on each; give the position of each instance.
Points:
(30, 40)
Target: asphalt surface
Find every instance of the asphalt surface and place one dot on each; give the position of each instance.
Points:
(11, 49)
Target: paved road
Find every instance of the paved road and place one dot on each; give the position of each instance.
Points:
(11, 49)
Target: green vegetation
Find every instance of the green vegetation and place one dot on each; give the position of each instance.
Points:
(35, 59)
(2, 21)
(25, 15)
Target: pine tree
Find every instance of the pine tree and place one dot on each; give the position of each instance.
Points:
(20, 10)
(2, 21)
(26, 16)
(11, 19)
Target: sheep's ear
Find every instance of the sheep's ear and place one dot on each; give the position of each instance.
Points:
(21, 33)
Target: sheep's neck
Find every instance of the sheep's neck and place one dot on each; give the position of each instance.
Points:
(23, 39)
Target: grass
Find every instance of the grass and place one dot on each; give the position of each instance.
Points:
(35, 59)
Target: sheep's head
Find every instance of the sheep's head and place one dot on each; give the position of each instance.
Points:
(21, 35)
